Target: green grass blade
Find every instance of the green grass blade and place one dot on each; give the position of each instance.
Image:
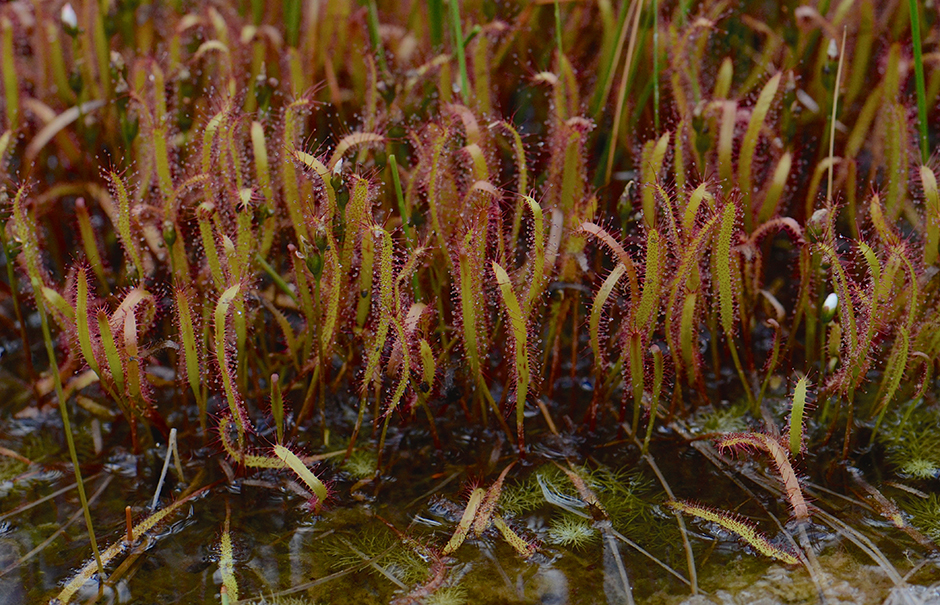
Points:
(919, 79)
(459, 50)
(66, 425)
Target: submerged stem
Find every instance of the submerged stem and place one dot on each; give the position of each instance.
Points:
(66, 425)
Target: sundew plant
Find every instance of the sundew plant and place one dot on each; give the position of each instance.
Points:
(468, 270)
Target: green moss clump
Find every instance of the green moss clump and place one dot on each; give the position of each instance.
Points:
(913, 442)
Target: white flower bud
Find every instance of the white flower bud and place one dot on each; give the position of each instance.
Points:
(829, 307)
(69, 18)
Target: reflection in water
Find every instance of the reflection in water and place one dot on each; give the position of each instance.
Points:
(552, 586)
(616, 583)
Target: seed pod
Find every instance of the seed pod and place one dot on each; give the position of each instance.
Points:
(314, 262)
(169, 233)
(319, 237)
(339, 185)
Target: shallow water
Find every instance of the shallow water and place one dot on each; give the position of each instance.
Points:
(374, 541)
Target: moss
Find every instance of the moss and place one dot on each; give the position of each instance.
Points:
(926, 515)
(449, 595)
(731, 419)
(912, 441)
(572, 532)
(361, 464)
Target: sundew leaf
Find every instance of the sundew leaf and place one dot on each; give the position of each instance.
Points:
(366, 262)
(687, 344)
(88, 571)
(386, 297)
(5, 144)
(699, 196)
(62, 310)
(488, 505)
(882, 225)
(428, 365)
(351, 141)
(191, 357)
(245, 458)
(652, 282)
(295, 206)
(729, 112)
(277, 407)
(538, 250)
(436, 175)
(466, 521)
(115, 362)
(336, 283)
(82, 322)
(478, 169)
(894, 370)
(615, 247)
(205, 213)
(236, 406)
(932, 210)
(300, 469)
(522, 183)
(796, 416)
(846, 304)
(357, 211)
(405, 367)
(778, 181)
(472, 332)
(781, 460)
(739, 526)
(227, 559)
(521, 546)
(124, 224)
(597, 308)
(572, 184)
(686, 280)
(653, 156)
(520, 343)
(723, 269)
(874, 266)
(749, 142)
(262, 167)
(135, 384)
(26, 232)
(637, 375)
(896, 155)
(913, 292)
(674, 234)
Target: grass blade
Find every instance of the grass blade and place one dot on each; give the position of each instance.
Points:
(913, 11)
